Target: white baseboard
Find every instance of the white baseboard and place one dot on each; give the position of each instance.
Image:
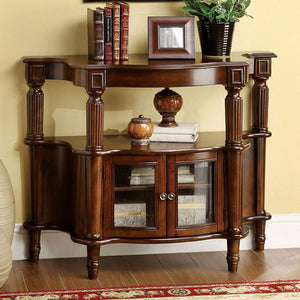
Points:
(282, 231)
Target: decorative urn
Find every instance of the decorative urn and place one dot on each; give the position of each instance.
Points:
(140, 129)
(167, 103)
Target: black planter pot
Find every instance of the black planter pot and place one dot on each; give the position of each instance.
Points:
(215, 38)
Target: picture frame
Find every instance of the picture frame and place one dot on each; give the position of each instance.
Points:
(171, 38)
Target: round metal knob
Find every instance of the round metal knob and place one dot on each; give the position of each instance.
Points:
(171, 196)
(163, 196)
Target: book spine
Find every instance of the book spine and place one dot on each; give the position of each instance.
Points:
(116, 29)
(108, 33)
(96, 34)
(124, 31)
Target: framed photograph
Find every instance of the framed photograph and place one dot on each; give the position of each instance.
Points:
(171, 38)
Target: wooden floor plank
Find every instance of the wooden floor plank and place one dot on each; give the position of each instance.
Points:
(73, 273)
(252, 268)
(283, 262)
(114, 272)
(214, 266)
(181, 268)
(69, 273)
(41, 275)
(15, 281)
(147, 270)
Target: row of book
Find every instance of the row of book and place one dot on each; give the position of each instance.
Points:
(108, 29)
(140, 176)
(185, 132)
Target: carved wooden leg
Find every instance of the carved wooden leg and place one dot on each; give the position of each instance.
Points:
(93, 261)
(234, 188)
(234, 145)
(35, 75)
(259, 235)
(34, 246)
(233, 257)
(260, 107)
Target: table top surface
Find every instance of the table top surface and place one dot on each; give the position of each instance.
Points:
(141, 61)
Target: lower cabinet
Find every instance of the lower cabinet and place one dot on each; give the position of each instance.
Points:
(163, 196)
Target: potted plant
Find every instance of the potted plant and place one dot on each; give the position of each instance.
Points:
(216, 23)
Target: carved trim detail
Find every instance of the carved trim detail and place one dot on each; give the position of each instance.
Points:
(96, 81)
(36, 73)
(262, 67)
(237, 76)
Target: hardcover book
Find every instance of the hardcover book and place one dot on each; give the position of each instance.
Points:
(116, 28)
(108, 33)
(124, 30)
(95, 20)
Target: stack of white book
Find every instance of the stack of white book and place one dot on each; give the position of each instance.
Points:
(146, 175)
(185, 132)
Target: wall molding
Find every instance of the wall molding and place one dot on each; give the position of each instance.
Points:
(281, 231)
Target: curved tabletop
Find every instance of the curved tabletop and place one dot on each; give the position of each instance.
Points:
(138, 71)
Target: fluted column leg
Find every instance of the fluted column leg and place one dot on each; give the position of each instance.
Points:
(94, 122)
(260, 105)
(35, 75)
(35, 111)
(234, 113)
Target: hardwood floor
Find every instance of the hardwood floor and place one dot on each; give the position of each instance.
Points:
(161, 269)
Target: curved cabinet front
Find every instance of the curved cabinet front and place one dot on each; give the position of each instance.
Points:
(163, 196)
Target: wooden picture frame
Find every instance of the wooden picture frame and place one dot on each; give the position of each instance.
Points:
(171, 38)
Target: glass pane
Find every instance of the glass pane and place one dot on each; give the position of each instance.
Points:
(195, 194)
(134, 196)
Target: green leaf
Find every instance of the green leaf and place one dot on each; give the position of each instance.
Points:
(192, 11)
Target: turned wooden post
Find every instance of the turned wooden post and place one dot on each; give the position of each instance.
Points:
(93, 261)
(260, 106)
(35, 76)
(233, 117)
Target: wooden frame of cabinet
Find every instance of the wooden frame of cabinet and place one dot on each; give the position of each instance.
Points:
(68, 174)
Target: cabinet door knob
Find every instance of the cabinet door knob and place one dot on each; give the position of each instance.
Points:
(163, 196)
(171, 196)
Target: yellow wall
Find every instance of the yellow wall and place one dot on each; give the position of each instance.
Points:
(57, 27)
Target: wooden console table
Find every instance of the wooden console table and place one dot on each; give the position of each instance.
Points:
(93, 187)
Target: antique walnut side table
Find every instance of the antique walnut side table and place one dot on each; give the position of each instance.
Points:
(102, 190)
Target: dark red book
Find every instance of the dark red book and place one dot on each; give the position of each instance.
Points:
(124, 30)
(116, 28)
(95, 20)
(108, 33)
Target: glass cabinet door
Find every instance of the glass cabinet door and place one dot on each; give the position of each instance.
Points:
(133, 197)
(195, 194)
(133, 191)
